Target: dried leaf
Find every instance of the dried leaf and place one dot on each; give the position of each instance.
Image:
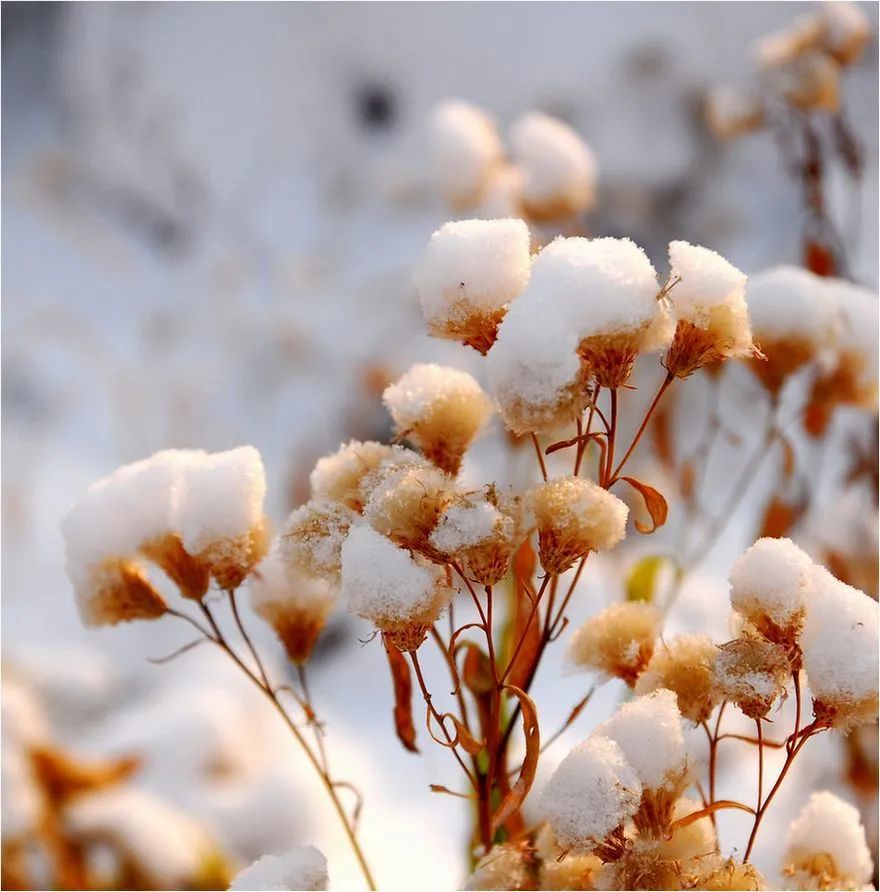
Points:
(654, 502)
(686, 480)
(477, 671)
(514, 799)
(522, 668)
(779, 518)
(439, 788)
(642, 579)
(708, 810)
(400, 675)
(819, 258)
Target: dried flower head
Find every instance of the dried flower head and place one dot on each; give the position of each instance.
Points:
(440, 410)
(709, 309)
(295, 604)
(313, 536)
(114, 591)
(810, 82)
(846, 30)
(560, 869)
(592, 793)
(303, 868)
(507, 866)
(221, 513)
(731, 111)
(791, 320)
(401, 594)
(406, 506)
(840, 644)
(751, 672)
(347, 475)
(618, 642)
(574, 516)
(465, 149)
(684, 665)
(467, 277)
(559, 169)
(769, 584)
(644, 865)
(826, 847)
(802, 35)
(716, 872)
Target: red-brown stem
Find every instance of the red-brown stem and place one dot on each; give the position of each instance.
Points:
(612, 436)
(759, 724)
(540, 456)
(642, 428)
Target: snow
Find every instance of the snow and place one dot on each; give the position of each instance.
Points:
(464, 525)
(559, 168)
(592, 792)
(857, 335)
(276, 588)
(472, 268)
(789, 302)
(828, 825)
(648, 731)
(313, 535)
(304, 868)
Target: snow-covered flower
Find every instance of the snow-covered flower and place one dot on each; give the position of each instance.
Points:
(617, 642)
(840, 644)
(573, 517)
(717, 873)
(465, 149)
(709, 308)
(469, 274)
(684, 665)
(303, 868)
(221, 513)
(846, 30)
(751, 672)
(592, 793)
(295, 604)
(440, 409)
(826, 847)
(506, 866)
(560, 869)
(559, 168)
(732, 111)
(313, 536)
(401, 594)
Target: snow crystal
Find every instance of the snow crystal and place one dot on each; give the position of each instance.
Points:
(592, 792)
(465, 148)
(383, 583)
(472, 267)
(787, 302)
(304, 868)
(222, 498)
(771, 579)
(840, 645)
(648, 730)
(559, 169)
(828, 825)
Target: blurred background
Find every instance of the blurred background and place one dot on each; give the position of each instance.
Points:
(211, 213)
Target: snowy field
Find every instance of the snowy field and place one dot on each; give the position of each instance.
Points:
(211, 213)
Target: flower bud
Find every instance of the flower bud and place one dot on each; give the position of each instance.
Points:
(751, 672)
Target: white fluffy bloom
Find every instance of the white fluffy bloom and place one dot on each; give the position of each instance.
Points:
(469, 273)
(304, 869)
(592, 792)
(840, 643)
(770, 582)
(465, 148)
(826, 842)
(648, 731)
(559, 168)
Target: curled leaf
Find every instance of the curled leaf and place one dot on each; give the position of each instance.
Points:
(439, 788)
(515, 797)
(654, 502)
(708, 810)
(400, 676)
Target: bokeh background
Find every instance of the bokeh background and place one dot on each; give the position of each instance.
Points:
(211, 212)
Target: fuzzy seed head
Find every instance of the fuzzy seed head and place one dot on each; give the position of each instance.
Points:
(846, 30)
(592, 793)
(313, 536)
(716, 872)
(304, 868)
(840, 644)
(117, 591)
(505, 866)
(560, 869)
(826, 847)
(575, 516)
(751, 672)
(618, 642)
(684, 665)
(441, 410)
(468, 275)
(644, 865)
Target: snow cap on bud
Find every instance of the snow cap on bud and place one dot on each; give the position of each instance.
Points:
(304, 868)
(769, 584)
(847, 30)
(592, 793)
(840, 645)
(648, 731)
(440, 409)
(685, 666)
(401, 594)
(221, 513)
(506, 866)
(709, 309)
(470, 272)
(313, 537)
(559, 168)
(295, 604)
(618, 642)
(751, 672)
(465, 150)
(827, 847)
(574, 516)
